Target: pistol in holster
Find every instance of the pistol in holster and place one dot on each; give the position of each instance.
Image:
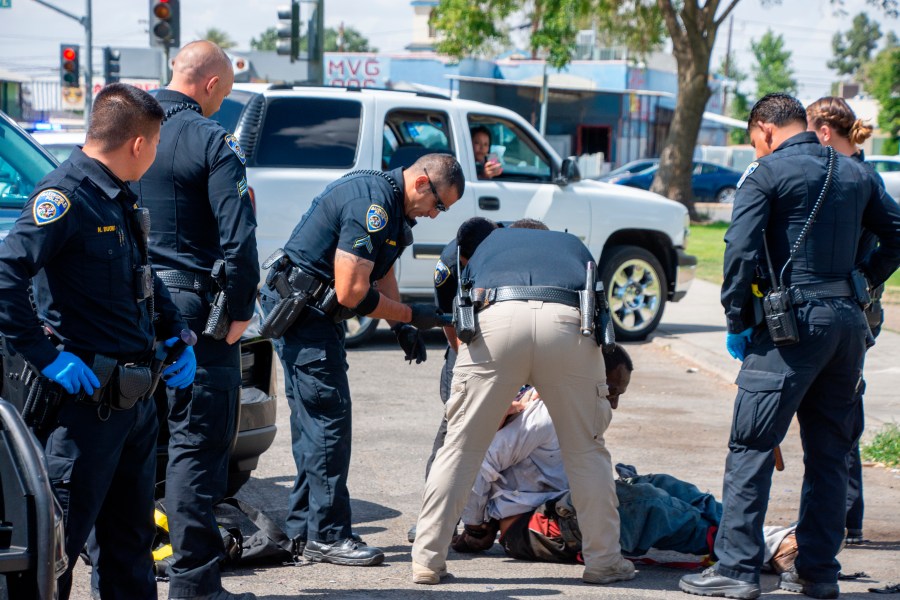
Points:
(292, 286)
(596, 319)
(218, 322)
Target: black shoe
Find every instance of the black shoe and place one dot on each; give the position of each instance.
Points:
(411, 534)
(854, 536)
(343, 552)
(710, 583)
(298, 544)
(792, 582)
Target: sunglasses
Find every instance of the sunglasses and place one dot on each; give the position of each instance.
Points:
(439, 204)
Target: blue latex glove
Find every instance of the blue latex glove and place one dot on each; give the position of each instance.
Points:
(180, 374)
(737, 343)
(70, 372)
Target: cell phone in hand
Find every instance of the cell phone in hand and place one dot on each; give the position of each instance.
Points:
(492, 157)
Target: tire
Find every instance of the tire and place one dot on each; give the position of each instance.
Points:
(636, 289)
(726, 195)
(358, 330)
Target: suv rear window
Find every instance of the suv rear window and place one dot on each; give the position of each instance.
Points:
(309, 132)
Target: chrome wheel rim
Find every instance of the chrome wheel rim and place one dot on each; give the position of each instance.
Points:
(635, 295)
(727, 196)
(354, 325)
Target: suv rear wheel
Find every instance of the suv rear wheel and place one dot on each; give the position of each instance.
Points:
(636, 288)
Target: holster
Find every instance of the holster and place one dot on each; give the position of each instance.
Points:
(859, 285)
(283, 315)
(218, 322)
(134, 384)
(38, 398)
(464, 319)
(604, 331)
(780, 318)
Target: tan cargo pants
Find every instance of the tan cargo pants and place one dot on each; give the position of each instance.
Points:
(525, 342)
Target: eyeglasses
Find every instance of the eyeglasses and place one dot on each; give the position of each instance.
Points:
(439, 205)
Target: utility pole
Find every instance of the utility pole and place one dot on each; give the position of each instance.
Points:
(85, 22)
(727, 66)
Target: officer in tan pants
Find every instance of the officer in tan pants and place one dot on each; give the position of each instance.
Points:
(528, 332)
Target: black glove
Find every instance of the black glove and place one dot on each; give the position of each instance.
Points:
(426, 316)
(410, 339)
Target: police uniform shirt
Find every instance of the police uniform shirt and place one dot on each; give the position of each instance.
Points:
(75, 238)
(362, 214)
(446, 279)
(199, 202)
(529, 257)
(777, 194)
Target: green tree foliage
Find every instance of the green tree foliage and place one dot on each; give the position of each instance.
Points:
(267, 42)
(883, 77)
(853, 48)
(218, 37)
(482, 27)
(738, 104)
(772, 69)
(354, 41)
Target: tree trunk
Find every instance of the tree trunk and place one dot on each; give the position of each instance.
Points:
(673, 179)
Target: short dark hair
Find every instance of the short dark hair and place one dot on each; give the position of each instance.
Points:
(481, 129)
(471, 233)
(617, 356)
(528, 224)
(122, 112)
(443, 169)
(779, 109)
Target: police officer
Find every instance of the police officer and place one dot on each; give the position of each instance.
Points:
(344, 248)
(815, 377)
(197, 192)
(529, 331)
(80, 239)
(835, 124)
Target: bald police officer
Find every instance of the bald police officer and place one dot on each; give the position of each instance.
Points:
(815, 374)
(197, 193)
(341, 255)
(80, 238)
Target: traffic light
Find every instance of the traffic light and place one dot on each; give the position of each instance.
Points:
(68, 65)
(165, 23)
(111, 65)
(289, 30)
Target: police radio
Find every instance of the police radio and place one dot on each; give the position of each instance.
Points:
(463, 308)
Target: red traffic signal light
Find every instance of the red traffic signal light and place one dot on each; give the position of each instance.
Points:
(68, 65)
(68, 53)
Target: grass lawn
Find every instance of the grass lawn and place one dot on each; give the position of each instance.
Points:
(707, 244)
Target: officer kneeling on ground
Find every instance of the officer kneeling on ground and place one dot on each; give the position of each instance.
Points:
(81, 242)
(525, 285)
(338, 263)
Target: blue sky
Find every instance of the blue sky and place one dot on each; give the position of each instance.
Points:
(30, 34)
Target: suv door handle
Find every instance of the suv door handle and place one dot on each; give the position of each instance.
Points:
(489, 203)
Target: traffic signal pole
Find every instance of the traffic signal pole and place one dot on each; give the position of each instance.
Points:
(86, 22)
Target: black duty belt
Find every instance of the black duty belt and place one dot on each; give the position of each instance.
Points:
(185, 280)
(818, 291)
(483, 297)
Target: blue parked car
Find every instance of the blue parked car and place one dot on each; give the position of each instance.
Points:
(708, 181)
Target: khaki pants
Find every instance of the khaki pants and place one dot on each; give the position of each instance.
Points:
(525, 342)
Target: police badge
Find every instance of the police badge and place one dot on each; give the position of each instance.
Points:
(49, 206)
(376, 218)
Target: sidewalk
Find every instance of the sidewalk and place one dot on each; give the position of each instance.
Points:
(695, 329)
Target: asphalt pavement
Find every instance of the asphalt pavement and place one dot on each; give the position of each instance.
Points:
(675, 418)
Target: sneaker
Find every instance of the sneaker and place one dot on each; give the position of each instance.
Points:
(621, 570)
(220, 595)
(347, 552)
(710, 583)
(854, 536)
(425, 576)
(792, 582)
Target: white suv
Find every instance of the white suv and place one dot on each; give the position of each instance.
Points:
(299, 139)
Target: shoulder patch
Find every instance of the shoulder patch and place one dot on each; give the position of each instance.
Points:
(376, 218)
(441, 274)
(747, 173)
(50, 205)
(363, 242)
(242, 187)
(236, 148)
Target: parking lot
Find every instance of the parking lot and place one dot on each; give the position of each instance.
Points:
(674, 419)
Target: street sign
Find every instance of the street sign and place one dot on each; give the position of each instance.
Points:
(5, 3)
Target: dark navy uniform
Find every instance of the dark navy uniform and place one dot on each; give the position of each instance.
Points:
(76, 239)
(815, 378)
(362, 214)
(528, 332)
(200, 211)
